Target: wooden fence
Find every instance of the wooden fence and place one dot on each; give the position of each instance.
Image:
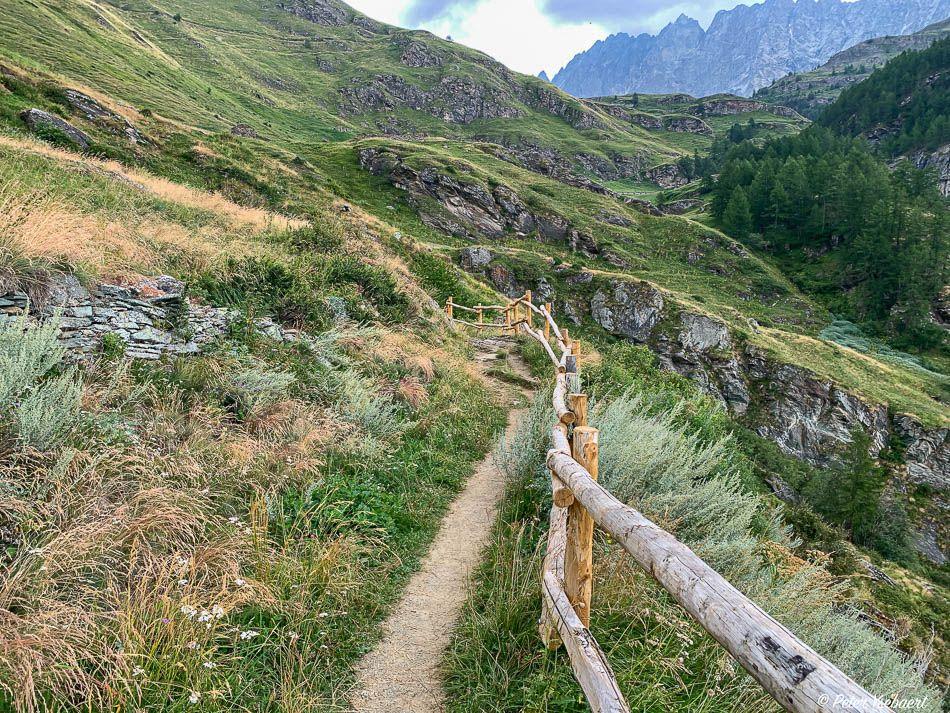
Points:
(789, 670)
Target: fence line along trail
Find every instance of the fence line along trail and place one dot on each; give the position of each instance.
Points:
(401, 675)
(795, 675)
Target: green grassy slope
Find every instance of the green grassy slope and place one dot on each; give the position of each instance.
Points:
(215, 64)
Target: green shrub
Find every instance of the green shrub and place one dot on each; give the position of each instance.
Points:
(256, 388)
(39, 397)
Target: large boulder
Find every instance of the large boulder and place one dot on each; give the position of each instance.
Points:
(628, 309)
(42, 122)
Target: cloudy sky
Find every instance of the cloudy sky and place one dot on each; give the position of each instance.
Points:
(531, 35)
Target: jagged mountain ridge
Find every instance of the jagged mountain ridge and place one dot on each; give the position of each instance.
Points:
(744, 49)
(809, 92)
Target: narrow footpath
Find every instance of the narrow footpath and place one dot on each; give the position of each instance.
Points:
(401, 675)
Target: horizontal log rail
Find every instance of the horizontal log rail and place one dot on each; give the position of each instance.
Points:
(795, 675)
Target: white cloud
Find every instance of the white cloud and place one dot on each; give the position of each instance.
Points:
(515, 32)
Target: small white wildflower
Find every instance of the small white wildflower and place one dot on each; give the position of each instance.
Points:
(247, 531)
(217, 611)
(183, 582)
(138, 671)
(234, 520)
(209, 664)
(194, 697)
(182, 561)
(323, 615)
(239, 582)
(192, 645)
(249, 634)
(204, 616)
(189, 611)
(36, 551)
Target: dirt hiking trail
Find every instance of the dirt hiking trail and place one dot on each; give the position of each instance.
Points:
(401, 675)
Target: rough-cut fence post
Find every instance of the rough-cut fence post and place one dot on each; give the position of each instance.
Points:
(530, 312)
(448, 307)
(547, 324)
(578, 565)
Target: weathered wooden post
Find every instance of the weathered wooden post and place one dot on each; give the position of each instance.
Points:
(481, 316)
(507, 318)
(530, 312)
(547, 323)
(448, 308)
(579, 557)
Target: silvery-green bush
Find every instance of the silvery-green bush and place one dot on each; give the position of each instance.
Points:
(651, 460)
(39, 396)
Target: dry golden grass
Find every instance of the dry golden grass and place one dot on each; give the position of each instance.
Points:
(42, 227)
(256, 218)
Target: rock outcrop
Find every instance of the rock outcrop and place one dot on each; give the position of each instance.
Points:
(320, 12)
(469, 208)
(455, 99)
(939, 162)
(688, 125)
(42, 122)
(96, 112)
(152, 317)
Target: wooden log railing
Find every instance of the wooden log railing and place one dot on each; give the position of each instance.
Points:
(796, 676)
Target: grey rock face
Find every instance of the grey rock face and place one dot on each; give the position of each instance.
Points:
(419, 54)
(94, 111)
(469, 209)
(153, 317)
(688, 125)
(629, 309)
(744, 48)
(927, 454)
(474, 259)
(667, 175)
(939, 162)
(321, 12)
(38, 120)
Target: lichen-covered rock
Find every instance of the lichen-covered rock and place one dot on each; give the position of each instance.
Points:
(688, 125)
(474, 259)
(321, 12)
(39, 121)
(419, 54)
(94, 111)
(628, 309)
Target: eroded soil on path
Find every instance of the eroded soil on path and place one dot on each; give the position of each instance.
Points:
(401, 675)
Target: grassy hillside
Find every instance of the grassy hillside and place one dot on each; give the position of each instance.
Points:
(232, 528)
(249, 487)
(298, 82)
(810, 92)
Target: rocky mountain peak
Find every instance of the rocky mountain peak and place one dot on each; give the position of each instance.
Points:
(745, 48)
